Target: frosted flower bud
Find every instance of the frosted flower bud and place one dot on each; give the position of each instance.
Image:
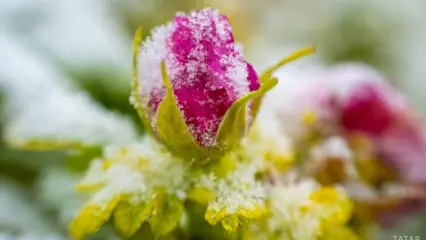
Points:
(192, 86)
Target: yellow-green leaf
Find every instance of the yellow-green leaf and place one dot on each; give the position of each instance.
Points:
(166, 216)
(91, 218)
(45, 144)
(128, 217)
(230, 223)
(201, 195)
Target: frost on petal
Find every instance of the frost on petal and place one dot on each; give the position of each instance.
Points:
(206, 69)
(43, 111)
(238, 197)
(151, 53)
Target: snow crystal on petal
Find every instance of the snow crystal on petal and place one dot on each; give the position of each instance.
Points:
(206, 69)
(151, 53)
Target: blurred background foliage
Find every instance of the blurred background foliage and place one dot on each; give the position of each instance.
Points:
(85, 46)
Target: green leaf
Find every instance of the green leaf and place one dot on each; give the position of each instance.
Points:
(166, 215)
(128, 218)
(135, 98)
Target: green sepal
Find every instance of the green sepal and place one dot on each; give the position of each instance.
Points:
(266, 75)
(172, 129)
(135, 98)
(234, 124)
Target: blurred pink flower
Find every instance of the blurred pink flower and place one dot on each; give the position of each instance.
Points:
(206, 68)
(380, 113)
(355, 102)
(352, 100)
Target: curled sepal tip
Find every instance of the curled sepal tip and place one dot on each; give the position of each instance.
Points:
(266, 76)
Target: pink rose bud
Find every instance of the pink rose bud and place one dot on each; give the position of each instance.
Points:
(192, 86)
(206, 68)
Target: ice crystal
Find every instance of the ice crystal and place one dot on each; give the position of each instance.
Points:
(238, 196)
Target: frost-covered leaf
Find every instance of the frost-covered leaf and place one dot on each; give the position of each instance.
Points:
(238, 197)
(135, 175)
(93, 215)
(43, 110)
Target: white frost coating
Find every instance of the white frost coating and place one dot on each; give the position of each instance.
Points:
(238, 74)
(152, 51)
(136, 171)
(120, 179)
(42, 105)
(156, 48)
(239, 190)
